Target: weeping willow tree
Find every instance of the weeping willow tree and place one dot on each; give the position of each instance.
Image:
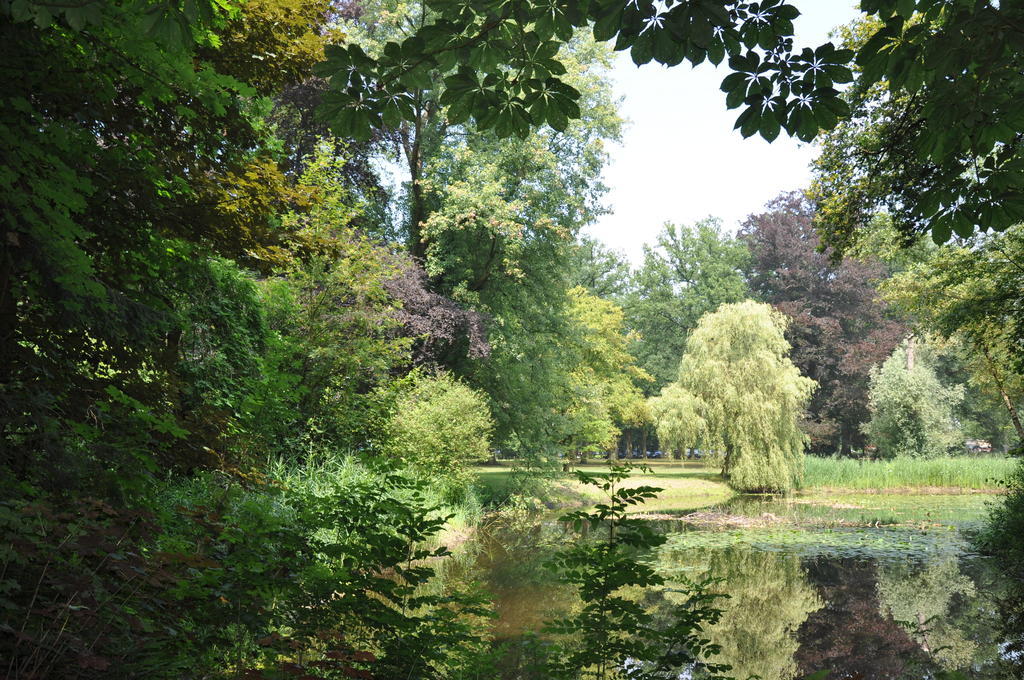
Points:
(750, 395)
(677, 420)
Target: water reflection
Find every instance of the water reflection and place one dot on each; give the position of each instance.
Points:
(885, 607)
(769, 599)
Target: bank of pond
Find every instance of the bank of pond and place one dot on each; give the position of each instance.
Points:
(861, 584)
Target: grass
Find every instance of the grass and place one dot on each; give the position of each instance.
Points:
(690, 486)
(686, 486)
(963, 472)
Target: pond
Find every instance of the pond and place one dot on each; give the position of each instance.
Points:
(865, 586)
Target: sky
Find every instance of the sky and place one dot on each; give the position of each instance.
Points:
(681, 161)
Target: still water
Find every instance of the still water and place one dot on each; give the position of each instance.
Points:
(866, 586)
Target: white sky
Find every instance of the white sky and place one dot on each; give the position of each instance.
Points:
(680, 160)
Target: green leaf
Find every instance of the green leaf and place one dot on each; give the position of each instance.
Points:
(770, 127)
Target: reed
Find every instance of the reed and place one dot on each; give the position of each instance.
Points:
(964, 472)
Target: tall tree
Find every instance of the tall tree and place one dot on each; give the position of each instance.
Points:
(972, 292)
(911, 410)
(602, 271)
(689, 272)
(751, 395)
(838, 329)
(605, 380)
(499, 239)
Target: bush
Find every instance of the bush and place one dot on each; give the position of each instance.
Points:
(317, 575)
(1002, 537)
(438, 427)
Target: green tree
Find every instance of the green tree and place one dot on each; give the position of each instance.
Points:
(970, 294)
(751, 396)
(603, 272)
(605, 378)
(677, 418)
(499, 240)
(123, 127)
(911, 411)
(689, 272)
(932, 138)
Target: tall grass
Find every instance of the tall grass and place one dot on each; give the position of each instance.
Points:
(322, 471)
(963, 472)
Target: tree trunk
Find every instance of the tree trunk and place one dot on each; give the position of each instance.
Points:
(845, 440)
(643, 440)
(997, 377)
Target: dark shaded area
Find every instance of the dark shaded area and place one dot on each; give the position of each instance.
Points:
(443, 328)
(849, 636)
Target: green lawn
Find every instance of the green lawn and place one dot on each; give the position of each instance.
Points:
(687, 486)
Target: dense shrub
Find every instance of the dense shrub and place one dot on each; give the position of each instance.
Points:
(438, 427)
(323, 576)
(1004, 537)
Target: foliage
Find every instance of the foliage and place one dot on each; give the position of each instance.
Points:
(1001, 537)
(838, 328)
(604, 380)
(500, 64)
(751, 395)
(499, 240)
(121, 128)
(601, 271)
(689, 272)
(613, 636)
(911, 411)
(677, 417)
(321, 576)
(439, 426)
(932, 138)
(971, 293)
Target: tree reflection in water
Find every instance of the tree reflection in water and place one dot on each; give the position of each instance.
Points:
(769, 599)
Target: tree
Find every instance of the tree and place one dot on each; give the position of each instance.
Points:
(948, 151)
(499, 240)
(690, 272)
(972, 294)
(933, 138)
(911, 411)
(677, 418)
(134, 151)
(752, 395)
(838, 327)
(603, 272)
(604, 380)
